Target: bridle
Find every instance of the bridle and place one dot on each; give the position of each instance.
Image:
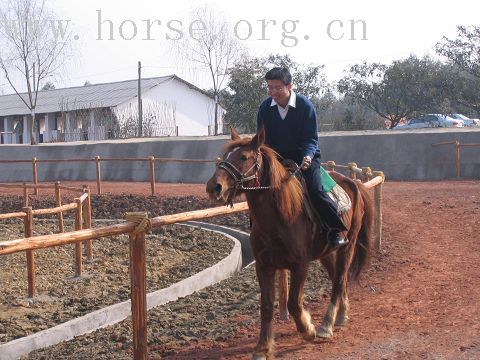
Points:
(251, 174)
(241, 178)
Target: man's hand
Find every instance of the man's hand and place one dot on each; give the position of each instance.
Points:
(307, 161)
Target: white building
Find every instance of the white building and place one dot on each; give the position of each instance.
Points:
(170, 105)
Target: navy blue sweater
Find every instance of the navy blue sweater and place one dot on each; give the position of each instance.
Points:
(295, 136)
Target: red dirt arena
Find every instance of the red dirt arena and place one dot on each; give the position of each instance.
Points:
(420, 299)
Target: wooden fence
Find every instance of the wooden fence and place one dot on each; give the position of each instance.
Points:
(458, 147)
(98, 173)
(371, 179)
(137, 245)
(83, 219)
(138, 293)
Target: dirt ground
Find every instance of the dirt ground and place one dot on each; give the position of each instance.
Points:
(419, 300)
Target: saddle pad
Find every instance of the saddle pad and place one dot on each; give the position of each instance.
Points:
(341, 198)
(327, 182)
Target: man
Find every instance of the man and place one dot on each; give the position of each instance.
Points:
(290, 126)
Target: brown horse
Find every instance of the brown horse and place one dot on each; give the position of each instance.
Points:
(284, 236)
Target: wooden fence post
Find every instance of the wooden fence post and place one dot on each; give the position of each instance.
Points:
(152, 174)
(99, 179)
(34, 175)
(28, 220)
(352, 173)
(25, 195)
(457, 158)
(331, 165)
(88, 223)
(378, 190)
(366, 174)
(58, 199)
(138, 286)
(78, 244)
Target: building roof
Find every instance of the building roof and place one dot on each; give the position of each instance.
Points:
(83, 97)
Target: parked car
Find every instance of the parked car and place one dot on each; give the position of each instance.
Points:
(430, 121)
(466, 120)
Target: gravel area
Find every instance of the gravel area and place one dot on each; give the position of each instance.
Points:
(217, 313)
(174, 252)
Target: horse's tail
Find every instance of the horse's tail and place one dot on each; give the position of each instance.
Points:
(364, 244)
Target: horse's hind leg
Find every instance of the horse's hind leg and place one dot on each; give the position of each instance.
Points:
(283, 293)
(266, 280)
(295, 303)
(344, 307)
(342, 315)
(338, 301)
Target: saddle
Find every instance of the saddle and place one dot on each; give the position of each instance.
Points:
(340, 198)
(333, 190)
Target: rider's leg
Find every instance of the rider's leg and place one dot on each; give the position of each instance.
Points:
(324, 204)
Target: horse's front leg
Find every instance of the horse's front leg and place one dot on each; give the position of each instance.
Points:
(266, 280)
(295, 303)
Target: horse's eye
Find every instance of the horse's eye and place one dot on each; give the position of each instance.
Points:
(243, 157)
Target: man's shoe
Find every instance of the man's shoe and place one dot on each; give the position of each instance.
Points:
(336, 240)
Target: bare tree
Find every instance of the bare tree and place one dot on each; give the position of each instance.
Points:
(33, 46)
(211, 44)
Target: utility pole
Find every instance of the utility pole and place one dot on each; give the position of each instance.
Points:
(33, 141)
(140, 120)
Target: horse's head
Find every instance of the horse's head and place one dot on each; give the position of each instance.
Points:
(239, 168)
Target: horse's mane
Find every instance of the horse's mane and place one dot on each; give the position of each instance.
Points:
(287, 189)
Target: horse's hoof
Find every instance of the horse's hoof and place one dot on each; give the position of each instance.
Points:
(310, 334)
(325, 333)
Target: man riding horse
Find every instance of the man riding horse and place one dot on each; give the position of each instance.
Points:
(290, 125)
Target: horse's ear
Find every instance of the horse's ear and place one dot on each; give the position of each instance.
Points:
(259, 139)
(235, 135)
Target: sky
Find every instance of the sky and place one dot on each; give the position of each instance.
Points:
(383, 31)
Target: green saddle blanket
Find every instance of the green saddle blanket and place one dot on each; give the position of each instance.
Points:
(327, 181)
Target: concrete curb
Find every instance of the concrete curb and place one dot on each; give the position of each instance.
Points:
(118, 312)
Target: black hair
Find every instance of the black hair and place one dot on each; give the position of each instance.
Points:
(279, 73)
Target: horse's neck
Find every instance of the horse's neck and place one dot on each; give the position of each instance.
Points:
(264, 212)
(261, 203)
